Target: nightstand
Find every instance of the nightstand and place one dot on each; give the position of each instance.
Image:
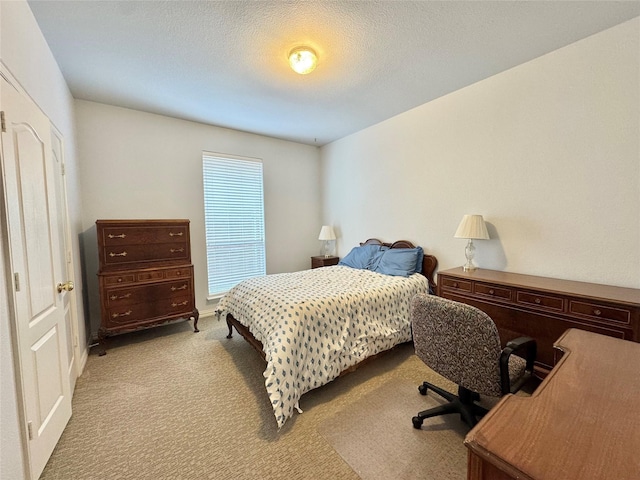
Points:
(322, 261)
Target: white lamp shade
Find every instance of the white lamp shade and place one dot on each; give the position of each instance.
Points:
(472, 226)
(327, 233)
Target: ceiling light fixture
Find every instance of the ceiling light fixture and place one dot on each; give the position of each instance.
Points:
(303, 60)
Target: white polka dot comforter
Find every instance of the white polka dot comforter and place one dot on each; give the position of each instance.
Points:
(316, 323)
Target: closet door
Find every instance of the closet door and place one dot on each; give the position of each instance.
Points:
(38, 282)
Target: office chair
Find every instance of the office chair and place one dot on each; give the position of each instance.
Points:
(461, 343)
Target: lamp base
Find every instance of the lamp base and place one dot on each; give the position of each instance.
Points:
(326, 249)
(469, 253)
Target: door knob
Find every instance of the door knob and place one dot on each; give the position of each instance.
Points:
(68, 286)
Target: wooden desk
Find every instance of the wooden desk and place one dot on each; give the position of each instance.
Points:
(583, 421)
(544, 308)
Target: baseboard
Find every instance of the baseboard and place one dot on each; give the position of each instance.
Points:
(83, 360)
(207, 313)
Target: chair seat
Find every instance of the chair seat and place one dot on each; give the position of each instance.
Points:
(517, 368)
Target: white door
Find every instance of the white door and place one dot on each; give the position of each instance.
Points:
(34, 247)
(66, 258)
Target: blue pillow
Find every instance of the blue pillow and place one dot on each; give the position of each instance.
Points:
(401, 262)
(362, 257)
(420, 259)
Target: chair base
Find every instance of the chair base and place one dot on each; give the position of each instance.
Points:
(463, 404)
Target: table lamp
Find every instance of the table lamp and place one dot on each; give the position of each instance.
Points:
(471, 227)
(326, 235)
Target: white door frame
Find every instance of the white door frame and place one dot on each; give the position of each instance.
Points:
(61, 185)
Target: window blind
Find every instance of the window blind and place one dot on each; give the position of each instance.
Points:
(234, 221)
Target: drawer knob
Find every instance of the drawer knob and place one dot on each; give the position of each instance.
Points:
(123, 254)
(183, 287)
(122, 235)
(491, 291)
(179, 234)
(597, 312)
(119, 279)
(455, 284)
(124, 314)
(538, 301)
(174, 250)
(181, 304)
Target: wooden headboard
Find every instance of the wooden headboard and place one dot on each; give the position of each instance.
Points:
(429, 262)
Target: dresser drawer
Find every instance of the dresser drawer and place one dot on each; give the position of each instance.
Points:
(492, 291)
(455, 284)
(134, 315)
(150, 275)
(599, 312)
(126, 255)
(152, 292)
(119, 279)
(137, 235)
(543, 302)
(178, 272)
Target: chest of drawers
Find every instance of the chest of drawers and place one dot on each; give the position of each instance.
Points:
(145, 275)
(544, 308)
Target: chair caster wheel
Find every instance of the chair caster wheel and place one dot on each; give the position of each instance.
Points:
(417, 422)
(423, 389)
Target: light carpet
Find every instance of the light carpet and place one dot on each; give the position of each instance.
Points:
(376, 438)
(169, 404)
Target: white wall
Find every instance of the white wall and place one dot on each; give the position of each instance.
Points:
(141, 165)
(548, 152)
(27, 56)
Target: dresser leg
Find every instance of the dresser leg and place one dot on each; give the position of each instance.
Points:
(102, 342)
(195, 315)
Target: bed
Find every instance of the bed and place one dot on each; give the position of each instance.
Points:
(314, 325)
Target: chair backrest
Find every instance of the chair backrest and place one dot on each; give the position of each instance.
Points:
(458, 341)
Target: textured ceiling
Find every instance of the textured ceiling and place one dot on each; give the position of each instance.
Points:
(225, 62)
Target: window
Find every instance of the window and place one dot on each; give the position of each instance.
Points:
(234, 220)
